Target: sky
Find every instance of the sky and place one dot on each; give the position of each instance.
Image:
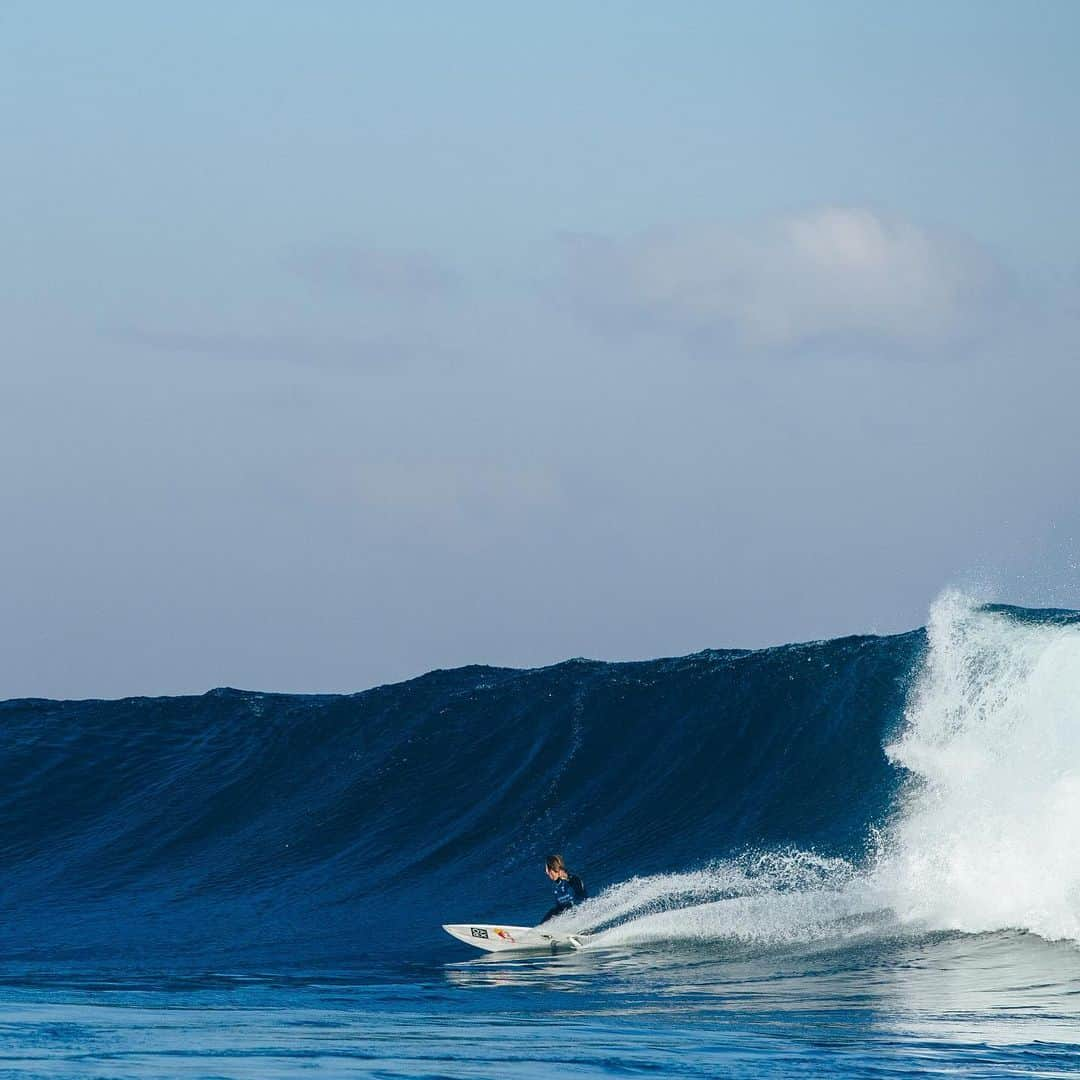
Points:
(346, 341)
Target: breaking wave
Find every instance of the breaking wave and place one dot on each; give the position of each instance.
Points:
(825, 791)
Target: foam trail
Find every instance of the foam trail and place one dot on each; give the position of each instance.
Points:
(772, 898)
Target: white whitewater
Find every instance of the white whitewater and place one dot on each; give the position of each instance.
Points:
(989, 837)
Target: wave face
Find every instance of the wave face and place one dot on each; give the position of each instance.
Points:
(929, 779)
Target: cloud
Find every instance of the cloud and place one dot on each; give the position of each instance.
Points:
(371, 270)
(836, 274)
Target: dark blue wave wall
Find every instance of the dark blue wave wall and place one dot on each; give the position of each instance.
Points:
(284, 829)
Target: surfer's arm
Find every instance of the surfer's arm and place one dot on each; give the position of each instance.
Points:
(558, 909)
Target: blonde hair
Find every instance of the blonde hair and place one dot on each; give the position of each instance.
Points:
(555, 863)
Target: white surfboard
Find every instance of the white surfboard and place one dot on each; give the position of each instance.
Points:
(493, 938)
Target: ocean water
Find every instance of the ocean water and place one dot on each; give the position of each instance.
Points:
(857, 857)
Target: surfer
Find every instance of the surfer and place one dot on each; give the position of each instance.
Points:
(569, 889)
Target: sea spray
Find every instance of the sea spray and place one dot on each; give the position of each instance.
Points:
(768, 898)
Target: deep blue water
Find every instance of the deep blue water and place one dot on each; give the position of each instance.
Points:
(849, 858)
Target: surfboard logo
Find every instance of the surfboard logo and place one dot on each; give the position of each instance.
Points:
(479, 931)
(504, 934)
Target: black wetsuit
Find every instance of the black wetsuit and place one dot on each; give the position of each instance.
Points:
(568, 892)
